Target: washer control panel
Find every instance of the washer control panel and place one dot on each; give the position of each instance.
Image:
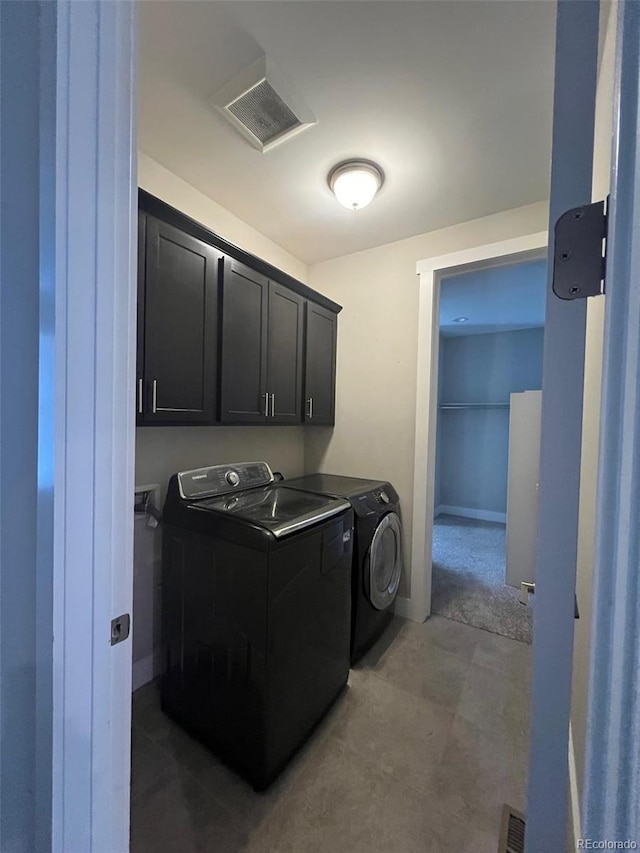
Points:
(232, 477)
(222, 479)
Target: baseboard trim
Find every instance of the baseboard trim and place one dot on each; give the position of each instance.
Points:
(409, 609)
(145, 670)
(470, 512)
(576, 818)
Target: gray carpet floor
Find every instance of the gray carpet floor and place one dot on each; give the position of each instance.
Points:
(468, 578)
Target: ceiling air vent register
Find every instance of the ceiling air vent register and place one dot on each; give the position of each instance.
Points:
(263, 106)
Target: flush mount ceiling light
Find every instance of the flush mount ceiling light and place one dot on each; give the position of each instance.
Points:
(460, 319)
(355, 182)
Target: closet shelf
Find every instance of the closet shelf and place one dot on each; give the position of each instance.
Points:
(473, 406)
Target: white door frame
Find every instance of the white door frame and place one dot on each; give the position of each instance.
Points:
(94, 339)
(431, 272)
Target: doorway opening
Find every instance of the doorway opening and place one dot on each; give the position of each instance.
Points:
(432, 272)
(491, 327)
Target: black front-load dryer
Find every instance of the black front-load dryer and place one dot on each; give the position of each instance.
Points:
(377, 552)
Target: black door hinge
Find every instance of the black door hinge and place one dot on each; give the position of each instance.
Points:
(579, 260)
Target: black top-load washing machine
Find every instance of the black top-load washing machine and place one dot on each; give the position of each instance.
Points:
(256, 608)
(377, 552)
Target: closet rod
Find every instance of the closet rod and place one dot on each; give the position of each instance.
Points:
(473, 406)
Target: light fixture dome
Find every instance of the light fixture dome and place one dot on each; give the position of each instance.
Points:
(355, 182)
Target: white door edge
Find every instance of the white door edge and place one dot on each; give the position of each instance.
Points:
(577, 30)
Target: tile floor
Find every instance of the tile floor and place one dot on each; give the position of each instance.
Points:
(417, 756)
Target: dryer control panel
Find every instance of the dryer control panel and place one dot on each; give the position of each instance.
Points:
(222, 479)
(376, 501)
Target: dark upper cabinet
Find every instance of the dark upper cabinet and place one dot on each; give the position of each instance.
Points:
(177, 305)
(284, 355)
(320, 366)
(262, 348)
(243, 354)
(222, 340)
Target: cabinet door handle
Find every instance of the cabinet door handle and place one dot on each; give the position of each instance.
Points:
(273, 405)
(310, 402)
(266, 405)
(154, 396)
(139, 396)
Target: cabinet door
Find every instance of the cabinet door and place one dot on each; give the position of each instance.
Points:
(320, 366)
(245, 297)
(284, 355)
(180, 305)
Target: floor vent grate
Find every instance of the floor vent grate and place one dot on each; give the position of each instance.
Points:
(512, 834)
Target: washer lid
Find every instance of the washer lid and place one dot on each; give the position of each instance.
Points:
(278, 509)
(334, 484)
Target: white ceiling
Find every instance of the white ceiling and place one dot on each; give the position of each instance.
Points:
(453, 99)
(499, 299)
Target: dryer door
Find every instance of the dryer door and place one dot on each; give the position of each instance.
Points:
(384, 562)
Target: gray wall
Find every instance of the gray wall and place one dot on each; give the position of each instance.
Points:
(161, 451)
(472, 449)
(375, 431)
